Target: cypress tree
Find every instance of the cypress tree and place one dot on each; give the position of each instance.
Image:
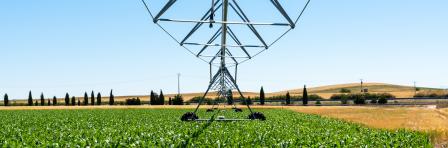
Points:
(92, 98)
(161, 100)
(74, 101)
(98, 99)
(111, 98)
(262, 97)
(79, 102)
(288, 98)
(86, 99)
(30, 99)
(152, 98)
(6, 100)
(67, 99)
(170, 101)
(55, 101)
(229, 97)
(42, 100)
(36, 104)
(138, 101)
(178, 100)
(305, 96)
(48, 103)
(249, 101)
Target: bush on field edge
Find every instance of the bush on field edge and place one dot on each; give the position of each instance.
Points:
(361, 98)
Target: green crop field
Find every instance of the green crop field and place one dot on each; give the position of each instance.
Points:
(162, 127)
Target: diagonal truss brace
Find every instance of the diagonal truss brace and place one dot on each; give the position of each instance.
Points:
(214, 37)
(243, 16)
(223, 73)
(164, 9)
(199, 24)
(283, 12)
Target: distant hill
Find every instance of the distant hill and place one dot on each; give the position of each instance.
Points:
(324, 91)
(327, 91)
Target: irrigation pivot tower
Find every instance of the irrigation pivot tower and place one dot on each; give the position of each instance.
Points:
(230, 51)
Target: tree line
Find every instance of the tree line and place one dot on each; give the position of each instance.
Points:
(95, 99)
(159, 99)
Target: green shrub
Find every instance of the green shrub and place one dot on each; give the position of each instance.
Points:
(382, 100)
(358, 99)
(429, 95)
(342, 97)
(344, 100)
(361, 98)
(283, 97)
(345, 90)
(314, 97)
(178, 100)
(246, 101)
(133, 101)
(318, 103)
(337, 96)
(207, 101)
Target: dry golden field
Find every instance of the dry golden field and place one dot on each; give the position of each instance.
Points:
(426, 119)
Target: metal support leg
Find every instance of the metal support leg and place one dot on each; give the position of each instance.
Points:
(206, 92)
(239, 91)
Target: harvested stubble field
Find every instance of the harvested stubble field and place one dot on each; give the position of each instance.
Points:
(426, 119)
(138, 127)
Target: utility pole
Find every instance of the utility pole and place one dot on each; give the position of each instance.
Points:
(415, 88)
(178, 84)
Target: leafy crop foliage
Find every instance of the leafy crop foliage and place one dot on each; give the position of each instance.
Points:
(162, 128)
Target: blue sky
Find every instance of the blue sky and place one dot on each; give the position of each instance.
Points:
(55, 46)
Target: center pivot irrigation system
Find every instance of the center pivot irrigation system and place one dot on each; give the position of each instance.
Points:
(227, 55)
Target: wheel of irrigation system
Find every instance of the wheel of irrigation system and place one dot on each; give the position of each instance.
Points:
(257, 116)
(190, 116)
(238, 110)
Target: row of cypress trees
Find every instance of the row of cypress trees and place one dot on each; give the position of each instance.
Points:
(288, 97)
(68, 101)
(155, 99)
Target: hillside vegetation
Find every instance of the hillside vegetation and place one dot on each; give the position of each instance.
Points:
(397, 90)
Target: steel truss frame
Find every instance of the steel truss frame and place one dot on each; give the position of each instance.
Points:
(223, 80)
